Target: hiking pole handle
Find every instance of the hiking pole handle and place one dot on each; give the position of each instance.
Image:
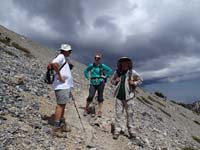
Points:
(77, 112)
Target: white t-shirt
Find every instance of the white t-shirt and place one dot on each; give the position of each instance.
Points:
(65, 73)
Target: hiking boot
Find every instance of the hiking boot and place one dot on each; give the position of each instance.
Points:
(99, 114)
(92, 111)
(65, 128)
(85, 113)
(122, 132)
(57, 132)
(115, 136)
(92, 115)
(137, 141)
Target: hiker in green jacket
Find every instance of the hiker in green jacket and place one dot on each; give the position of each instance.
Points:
(98, 76)
(126, 80)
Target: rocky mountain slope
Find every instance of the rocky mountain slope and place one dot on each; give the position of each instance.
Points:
(195, 106)
(25, 99)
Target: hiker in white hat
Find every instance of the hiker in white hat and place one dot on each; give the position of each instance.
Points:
(62, 85)
(125, 79)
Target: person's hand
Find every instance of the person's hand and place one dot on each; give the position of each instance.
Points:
(61, 79)
(131, 82)
(117, 79)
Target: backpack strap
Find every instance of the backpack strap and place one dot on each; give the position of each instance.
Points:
(101, 70)
(100, 67)
(62, 65)
(129, 74)
(132, 87)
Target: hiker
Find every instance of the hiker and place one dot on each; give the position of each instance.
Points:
(62, 85)
(125, 79)
(98, 75)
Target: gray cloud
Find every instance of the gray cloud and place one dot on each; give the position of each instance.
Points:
(158, 35)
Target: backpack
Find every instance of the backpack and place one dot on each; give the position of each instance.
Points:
(102, 73)
(50, 73)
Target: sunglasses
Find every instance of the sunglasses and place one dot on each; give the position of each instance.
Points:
(97, 58)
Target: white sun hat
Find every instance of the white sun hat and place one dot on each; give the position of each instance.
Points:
(65, 47)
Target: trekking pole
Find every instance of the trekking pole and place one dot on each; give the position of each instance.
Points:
(78, 112)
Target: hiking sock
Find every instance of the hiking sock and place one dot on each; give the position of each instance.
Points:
(57, 124)
(62, 121)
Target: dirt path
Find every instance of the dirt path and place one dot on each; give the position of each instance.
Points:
(98, 133)
(98, 130)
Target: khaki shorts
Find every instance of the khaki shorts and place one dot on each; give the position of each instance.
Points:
(63, 96)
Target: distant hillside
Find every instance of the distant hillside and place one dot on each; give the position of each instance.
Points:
(194, 106)
(25, 100)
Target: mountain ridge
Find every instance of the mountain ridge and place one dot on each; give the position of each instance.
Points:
(25, 99)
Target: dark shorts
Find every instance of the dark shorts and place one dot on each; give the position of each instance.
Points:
(92, 90)
(62, 96)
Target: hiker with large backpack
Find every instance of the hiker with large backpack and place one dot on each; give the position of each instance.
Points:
(125, 79)
(62, 84)
(98, 75)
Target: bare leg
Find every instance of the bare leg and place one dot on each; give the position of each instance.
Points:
(63, 111)
(100, 105)
(60, 108)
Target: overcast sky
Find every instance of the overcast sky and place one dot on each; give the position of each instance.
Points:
(161, 36)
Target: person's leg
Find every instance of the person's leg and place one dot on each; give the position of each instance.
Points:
(62, 118)
(62, 97)
(92, 91)
(130, 124)
(58, 114)
(129, 106)
(100, 98)
(119, 124)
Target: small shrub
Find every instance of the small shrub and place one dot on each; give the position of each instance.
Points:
(173, 101)
(196, 139)
(26, 51)
(195, 121)
(10, 53)
(188, 148)
(183, 115)
(158, 102)
(142, 101)
(5, 40)
(169, 115)
(159, 94)
(146, 101)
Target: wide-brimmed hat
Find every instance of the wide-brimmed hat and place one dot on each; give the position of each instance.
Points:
(65, 47)
(124, 59)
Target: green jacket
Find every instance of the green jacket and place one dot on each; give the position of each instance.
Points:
(97, 73)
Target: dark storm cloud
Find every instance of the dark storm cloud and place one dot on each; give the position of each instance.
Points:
(158, 35)
(62, 16)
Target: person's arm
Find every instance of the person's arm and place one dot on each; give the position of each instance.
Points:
(56, 68)
(136, 79)
(58, 60)
(108, 70)
(115, 79)
(86, 71)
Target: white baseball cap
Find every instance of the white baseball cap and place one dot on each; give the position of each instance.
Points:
(65, 47)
